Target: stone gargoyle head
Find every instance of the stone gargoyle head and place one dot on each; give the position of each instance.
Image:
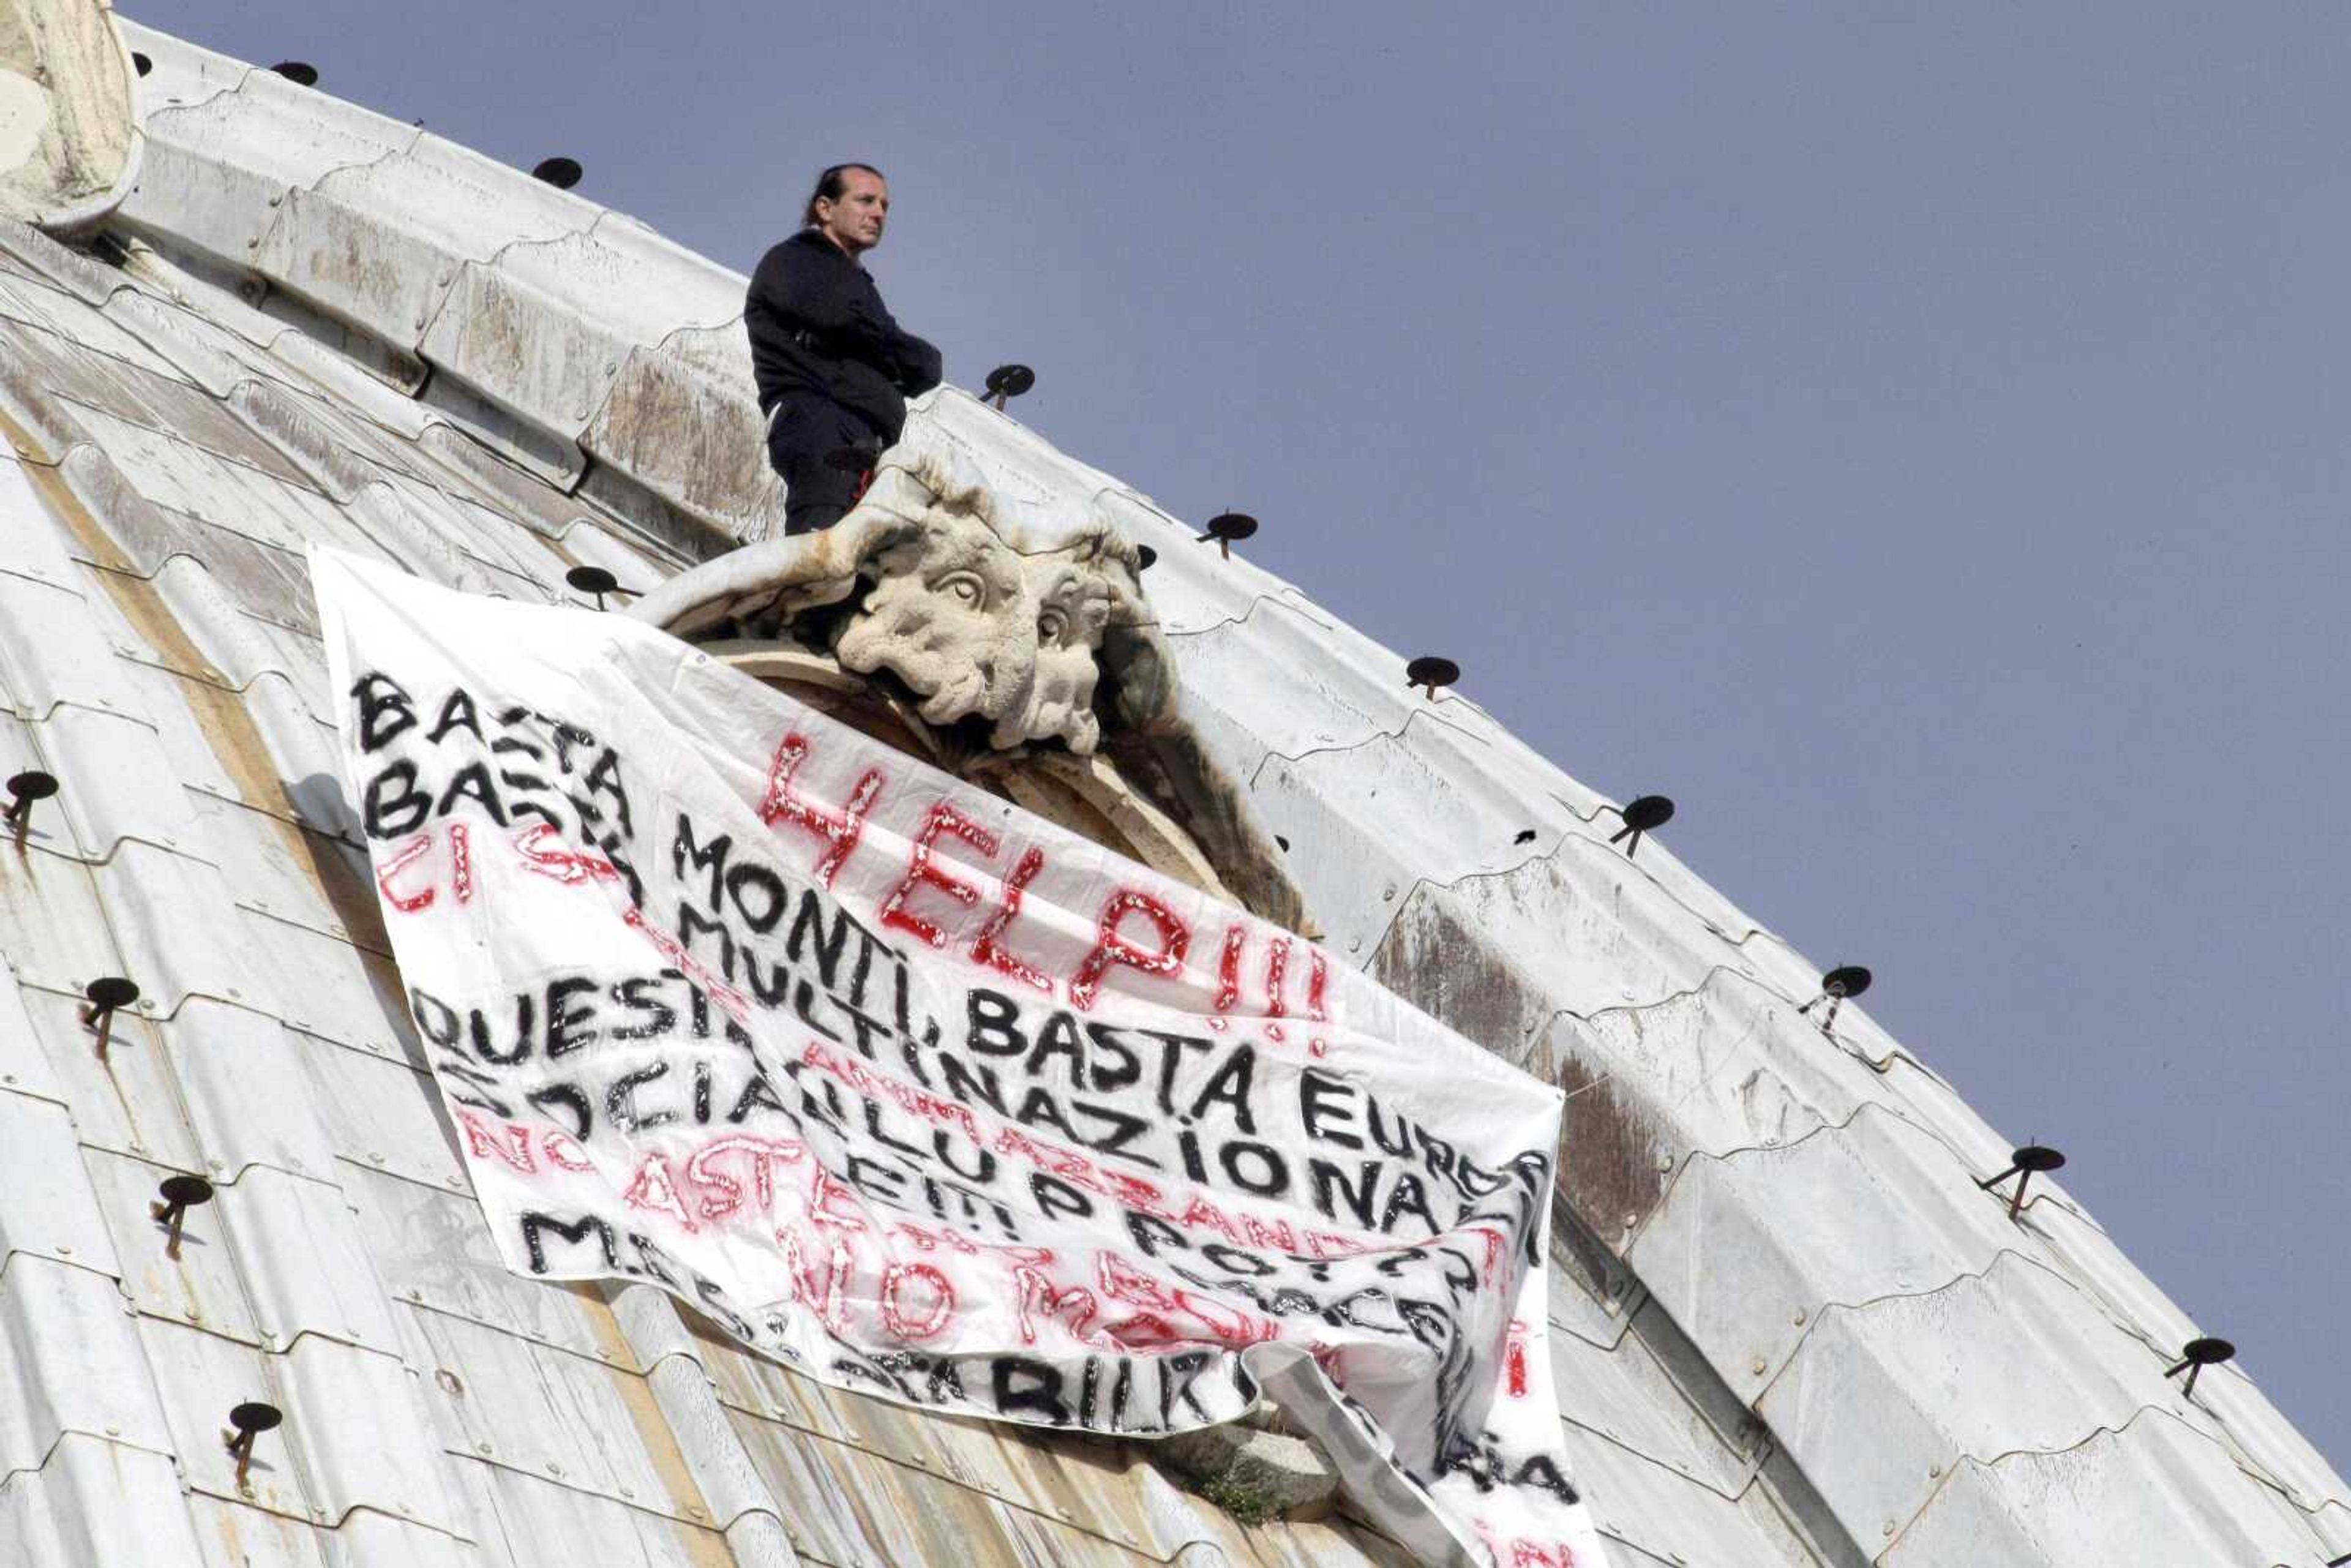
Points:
(1022, 629)
(977, 614)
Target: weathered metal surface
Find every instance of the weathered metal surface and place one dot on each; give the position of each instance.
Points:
(1625, 1394)
(529, 1522)
(99, 1500)
(2112, 1501)
(338, 243)
(46, 1207)
(674, 419)
(1746, 1250)
(217, 169)
(73, 1363)
(247, 1100)
(1948, 1375)
(355, 1435)
(122, 1101)
(174, 450)
(56, 311)
(1661, 1513)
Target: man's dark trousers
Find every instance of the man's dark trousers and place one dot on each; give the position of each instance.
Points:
(801, 440)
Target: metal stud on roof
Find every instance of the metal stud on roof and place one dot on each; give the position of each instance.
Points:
(1008, 382)
(1641, 814)
(179, 1194)
(1226, 527)
(1844, 980)
(2196, 1356)
(560, 172)
(2026, 1162)
(300, 72)
(247, 1421)
(106, 997)
(1428, 672)
(24, 789)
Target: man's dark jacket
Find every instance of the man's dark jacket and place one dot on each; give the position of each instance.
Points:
(819, 329)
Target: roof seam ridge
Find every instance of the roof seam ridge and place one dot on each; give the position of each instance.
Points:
(1747, 1472)
(2142, 1412)
(22, 1092)
(491, 262)
(180, 437)
(154, 661)
(105, 859)
(8, 1258)
(345, 937)
(58, 1442)
(1241, 618)
(33, 983)
(291, 819)
(1897, 1112)
(389, 152)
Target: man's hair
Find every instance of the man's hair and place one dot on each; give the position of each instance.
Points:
(830, 187)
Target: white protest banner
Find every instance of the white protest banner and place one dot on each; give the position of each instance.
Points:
(927, 1097)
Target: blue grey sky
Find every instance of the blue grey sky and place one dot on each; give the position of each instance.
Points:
(1914, 438)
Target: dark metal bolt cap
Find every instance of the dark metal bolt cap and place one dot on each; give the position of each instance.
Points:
(1010, 380)
(1231, 525)
(1144, 556)
(253, 1415)
(560, 172)
(111, 992)
(1431, 671)
(142, 63)
(2037, 1158)
(185, 1191)
(1846, 980)
(297, 72)
(33, 785)
(1647, 813)
(2206, 1352)
(591, 580)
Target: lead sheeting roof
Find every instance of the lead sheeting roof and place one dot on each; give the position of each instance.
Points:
(1788, 1328)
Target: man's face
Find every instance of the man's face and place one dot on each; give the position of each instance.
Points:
(854, 221)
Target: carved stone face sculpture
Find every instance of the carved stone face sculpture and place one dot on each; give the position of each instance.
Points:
(1031, 624)
(978, 628)
(979, 616)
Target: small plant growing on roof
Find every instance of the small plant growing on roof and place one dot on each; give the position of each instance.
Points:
(1245, 1504)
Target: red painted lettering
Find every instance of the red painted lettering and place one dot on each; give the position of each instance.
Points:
(398, 861)
(1113, 947)
(988, 946)
(461, 861)
(654, 1189)
(514, 1148)
(939, 1309)
(569, 866)
(921, 870)
(839, 828)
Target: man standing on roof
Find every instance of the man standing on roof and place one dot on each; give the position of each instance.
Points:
(834, 369)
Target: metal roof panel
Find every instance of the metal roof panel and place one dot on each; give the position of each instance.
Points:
(244, 1091)
(123, 1102)
(2119, 1499)
(47, 1208)
(98, 1502)
(68, 1362)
